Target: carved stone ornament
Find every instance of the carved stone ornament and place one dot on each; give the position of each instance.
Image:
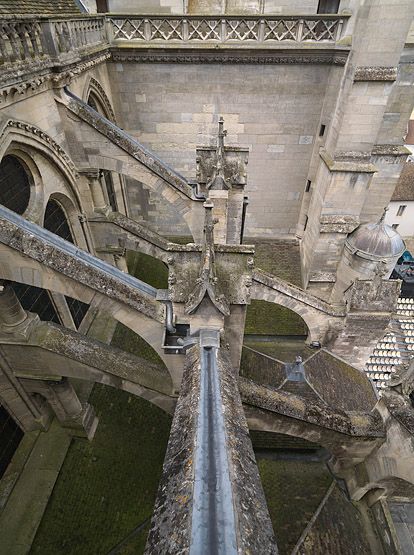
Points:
(403, 381)
(206, 284)
(221, 168)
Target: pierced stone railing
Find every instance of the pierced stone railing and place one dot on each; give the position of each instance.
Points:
(75, 34)
(43, 39)
(29, 39)
(21, 40)
(222, 29)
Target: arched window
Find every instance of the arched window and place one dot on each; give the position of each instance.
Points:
(96, 104)
(14, 184)
(57, 222)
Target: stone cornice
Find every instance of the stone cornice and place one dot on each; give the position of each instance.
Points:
(228, 56)
(358, 164)
(37, 78)
(375, 73)
(390, 150)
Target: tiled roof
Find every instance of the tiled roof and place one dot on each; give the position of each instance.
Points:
(39, 7)
(405, 186)
(395, 348)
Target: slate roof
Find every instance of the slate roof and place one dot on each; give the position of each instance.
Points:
(395, 348)
(39, 7)
(405, 186)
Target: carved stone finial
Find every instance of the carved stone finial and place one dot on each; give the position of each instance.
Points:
(206, 283)
(218, 181)
(382, 218)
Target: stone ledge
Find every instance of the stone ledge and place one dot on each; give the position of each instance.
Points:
(338, 223)
(357, 165)
(375, 73)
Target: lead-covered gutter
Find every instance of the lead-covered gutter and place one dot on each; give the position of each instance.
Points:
(213, 527)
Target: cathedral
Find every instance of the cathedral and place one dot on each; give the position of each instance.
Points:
(207, 277)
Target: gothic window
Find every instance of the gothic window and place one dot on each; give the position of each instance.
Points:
(328, 6)
(401, 209)
(14, 184)
(34, 299)
(109, 185)
(56, 222)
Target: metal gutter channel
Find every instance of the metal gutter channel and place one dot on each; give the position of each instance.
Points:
(213, 529)
(69, 248)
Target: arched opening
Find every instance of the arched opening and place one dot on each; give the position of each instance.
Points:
(276, 331)
(10, 437)
(107, 176)
(148, 269)
(15, 184)
(55, 220)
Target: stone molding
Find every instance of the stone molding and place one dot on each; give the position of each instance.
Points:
(96, 87)
(33, 131)
(357, 164)
(229, 57)
(338, 223)
(375, 73)
(390, 150)
(31, 82)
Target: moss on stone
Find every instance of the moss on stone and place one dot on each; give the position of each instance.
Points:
(126, 339)
(281, 348)
(107, 487)
(279, 257)
(264, 318)
(293, 491)
(148, 269)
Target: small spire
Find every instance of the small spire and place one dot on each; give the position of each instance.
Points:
(381, 220)
(221, 133)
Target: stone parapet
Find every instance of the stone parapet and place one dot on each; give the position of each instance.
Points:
(209, 427)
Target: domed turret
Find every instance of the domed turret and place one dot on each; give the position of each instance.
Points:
(376, 240)
(365, 248)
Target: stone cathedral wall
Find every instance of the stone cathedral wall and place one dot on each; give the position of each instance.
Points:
(274, 110)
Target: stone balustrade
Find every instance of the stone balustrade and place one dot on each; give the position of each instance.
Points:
(24, 39)
(35, 39)
(223, 29)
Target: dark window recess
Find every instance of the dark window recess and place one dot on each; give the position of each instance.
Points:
(308, 185)
(322, 130)
(14, 185)
(102, 6)
(328, 6)
(56, 221)
(36, 300)
(10, 437)
(109, 184)
(78, 309)
(306, 223)
(395, 226)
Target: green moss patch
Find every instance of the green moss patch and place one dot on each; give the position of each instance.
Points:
(148, 269)
(293, 491)
(107, 487)
(264, 318)
(278, 257)
(126, 339)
